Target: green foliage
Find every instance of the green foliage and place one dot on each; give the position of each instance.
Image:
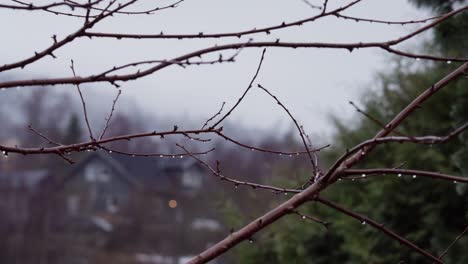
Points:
(430, 213)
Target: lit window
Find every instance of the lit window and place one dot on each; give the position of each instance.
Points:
(172, 203)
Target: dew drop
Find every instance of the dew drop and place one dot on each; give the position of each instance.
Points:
(363, 222)
(304, 217)
(414, 176)
(449, 62)
(399, 174)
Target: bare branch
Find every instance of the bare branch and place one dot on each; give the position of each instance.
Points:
(214, 116)
(314, 219)
(83, 103)
(108, 119)
(366, 220)
(453, 243)
(309, 153)
(245, 92)
(400, 172)
(217, 172)
(313, 190)
(50, 141)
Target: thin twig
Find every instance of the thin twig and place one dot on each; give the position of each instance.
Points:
(375, 172)
(366, 220)
(83, 103)
(50, 141)
(453, 242)
(108, 119)
(304, 142)
(245, 92)
(214, 116)
(314, 219)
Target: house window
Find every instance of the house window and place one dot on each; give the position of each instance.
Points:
(206, 224)
(73, 204)
(96, 173)
(191, 179)
(111, 204)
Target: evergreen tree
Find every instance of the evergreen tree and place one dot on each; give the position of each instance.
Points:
(428, 212)
(72, 133)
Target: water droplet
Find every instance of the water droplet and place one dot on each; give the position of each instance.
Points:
(110, 151)
(181, 156)
(251, 241)
(285, 193)
(448, 62)
(173, 156)
(418, 59)
(161, 156)
(399, 174)
(304, 217)
(363, 175)
(363, 222)
(454, 181)
(414, 176)
(363, 153)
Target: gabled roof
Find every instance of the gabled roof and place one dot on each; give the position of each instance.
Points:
(152, 173)
(106, 160)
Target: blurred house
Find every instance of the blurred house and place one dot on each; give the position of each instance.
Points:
(114, 208)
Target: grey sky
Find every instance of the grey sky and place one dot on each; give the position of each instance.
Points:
(312, 83)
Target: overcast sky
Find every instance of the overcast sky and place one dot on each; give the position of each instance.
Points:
(311, 82)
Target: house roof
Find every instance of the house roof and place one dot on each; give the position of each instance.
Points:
(29, 179)
(152, 173)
